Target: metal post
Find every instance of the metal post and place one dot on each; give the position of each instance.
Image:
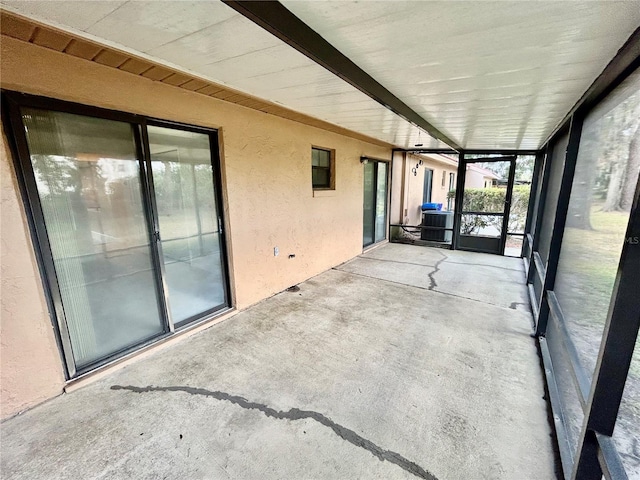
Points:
(157, 256)
(571, 156)
(546, 173)
(507, 205)
(535, 181)
(457, 208)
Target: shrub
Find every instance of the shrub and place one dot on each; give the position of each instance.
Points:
(492, 200)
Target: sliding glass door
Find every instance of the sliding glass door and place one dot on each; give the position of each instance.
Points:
(88, 179)
(188, 219)
(375, 202)
(128, 222)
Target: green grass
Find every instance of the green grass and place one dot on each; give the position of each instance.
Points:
(588, 268)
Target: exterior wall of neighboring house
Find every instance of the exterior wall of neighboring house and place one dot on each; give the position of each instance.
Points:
(269, 201)
(477, 177)
(408, 189)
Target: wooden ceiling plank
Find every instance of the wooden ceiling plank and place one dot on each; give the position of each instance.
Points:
(194, 84)
(50, 39)
(15, 27)
(176, 79)
(137, 66)
(210, 90)
(82, 49)
(110, 58)
(157, 73)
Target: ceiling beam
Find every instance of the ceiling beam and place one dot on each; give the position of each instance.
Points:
(277, 20)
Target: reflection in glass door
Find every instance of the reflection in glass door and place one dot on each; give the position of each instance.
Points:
(375, 202)
(87, 175)
(189, 222)
(381, 201)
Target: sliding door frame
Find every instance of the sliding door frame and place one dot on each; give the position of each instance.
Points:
(217, 188)
(16, 137)
(377, 161)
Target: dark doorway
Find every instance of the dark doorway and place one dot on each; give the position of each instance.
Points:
(428, 186)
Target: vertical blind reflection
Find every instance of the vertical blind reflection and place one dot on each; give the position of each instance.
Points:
(87, 177)
(381, 202)
(188, 217)
(603, 190)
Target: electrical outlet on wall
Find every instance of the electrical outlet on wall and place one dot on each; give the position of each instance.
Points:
(276, 251)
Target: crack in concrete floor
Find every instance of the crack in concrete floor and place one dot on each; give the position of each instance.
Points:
(436, 268)
(295, 414)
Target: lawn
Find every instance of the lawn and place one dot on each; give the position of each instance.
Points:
(587, 271)
(586, 276)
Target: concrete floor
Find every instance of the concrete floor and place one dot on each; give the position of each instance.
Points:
(407, 362)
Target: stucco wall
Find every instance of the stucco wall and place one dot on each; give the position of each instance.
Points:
(475, 179)
(268, 201)
(30, 368)
(414, 186)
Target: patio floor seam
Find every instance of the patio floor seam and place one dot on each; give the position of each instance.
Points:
(429, 289)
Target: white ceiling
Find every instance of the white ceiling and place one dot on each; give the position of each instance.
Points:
(487, 74)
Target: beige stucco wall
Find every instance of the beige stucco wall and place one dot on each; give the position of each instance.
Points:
(30, 368)
(474, 179)
(406, 200)
(396, 206)
(268, 201)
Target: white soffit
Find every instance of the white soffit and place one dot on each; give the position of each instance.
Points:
(212, 41)
(488, 74)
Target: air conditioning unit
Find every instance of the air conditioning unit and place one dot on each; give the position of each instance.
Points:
(435, 218)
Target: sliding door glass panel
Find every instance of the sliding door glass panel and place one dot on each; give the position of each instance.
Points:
(381, 202)
(369, 204)
(88, 181)
(188, 217)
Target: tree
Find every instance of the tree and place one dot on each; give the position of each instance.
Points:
(579, 213)
(633, 170)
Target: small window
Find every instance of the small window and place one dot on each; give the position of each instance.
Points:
(444, 178)
(322, 168)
